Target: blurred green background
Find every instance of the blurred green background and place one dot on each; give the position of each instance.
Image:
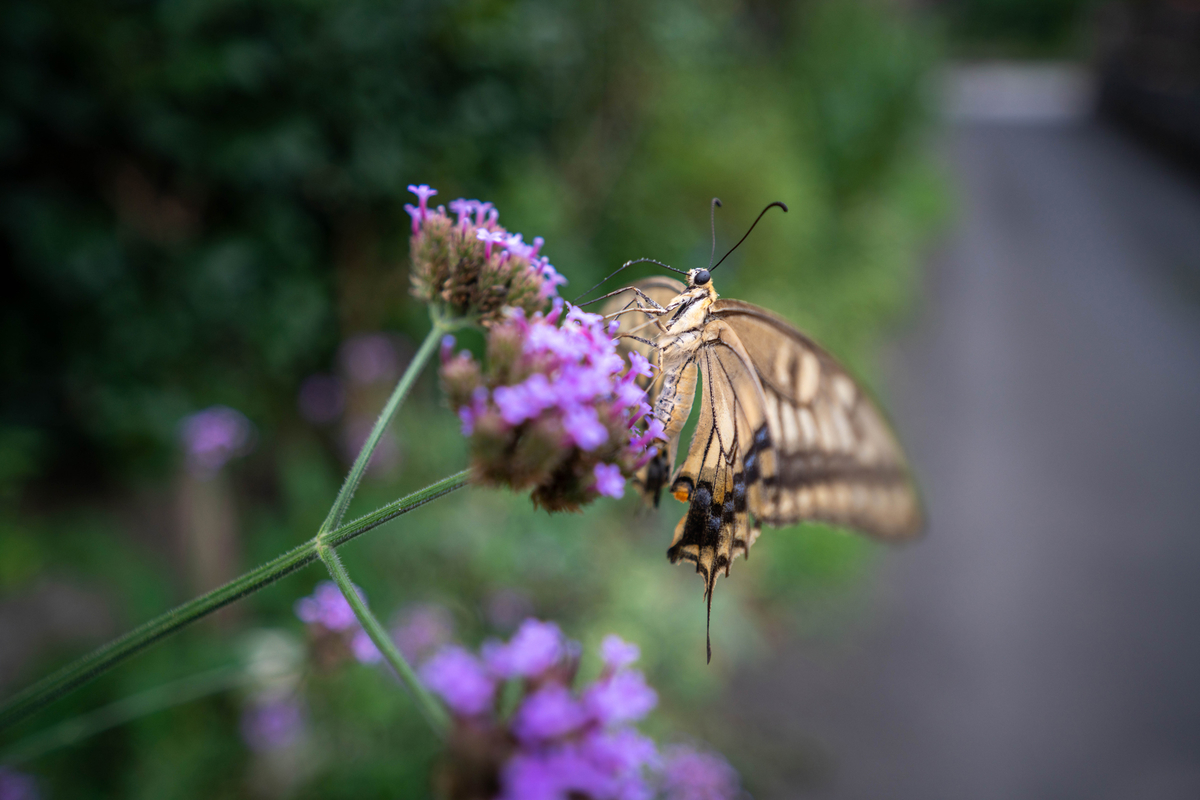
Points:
(201, 204)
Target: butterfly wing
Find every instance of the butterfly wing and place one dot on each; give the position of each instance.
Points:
(836, 458)
(729, 462)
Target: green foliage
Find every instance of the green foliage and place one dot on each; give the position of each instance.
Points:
(199, 201)
(1019, 27)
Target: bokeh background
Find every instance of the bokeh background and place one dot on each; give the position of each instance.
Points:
(994, 220)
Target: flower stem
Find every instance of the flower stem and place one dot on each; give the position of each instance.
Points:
(430, 708)
(105, 658)
(342, 502)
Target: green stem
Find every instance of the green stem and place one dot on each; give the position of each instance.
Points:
(430, 708)
(105, 658)
(342, 502)
(125, 710)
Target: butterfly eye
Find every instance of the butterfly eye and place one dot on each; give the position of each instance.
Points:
(702, 277)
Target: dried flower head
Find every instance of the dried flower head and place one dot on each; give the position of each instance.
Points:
(555, 409)
(559, 743)
(472, 266)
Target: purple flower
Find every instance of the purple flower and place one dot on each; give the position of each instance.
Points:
(583, 425)
(213, 436)
(560, 744)
(514, 243)
(364, 649)
(623, 697)
(273, 723)
(609, 480)
(489, 238)
(17, 785)
(482, 212)
(423, 194)
(556, 775)
(618, 653)
(548, 713)
(625, 755)
(460, 679)
(463, 209)
(327, 607)
(534, 649)
(694, 775)
(450, 270)
(551, 280)
(638, 365)
(564, 409)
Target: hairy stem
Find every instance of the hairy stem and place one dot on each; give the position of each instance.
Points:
(430, 708)
(105, 658)
(342, 502)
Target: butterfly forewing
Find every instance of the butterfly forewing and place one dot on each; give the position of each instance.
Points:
(837, 459)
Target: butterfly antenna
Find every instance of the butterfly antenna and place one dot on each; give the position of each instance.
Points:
(760, 216)
(623, 266)
(716, 203)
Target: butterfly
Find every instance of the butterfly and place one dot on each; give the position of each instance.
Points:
(784, 433)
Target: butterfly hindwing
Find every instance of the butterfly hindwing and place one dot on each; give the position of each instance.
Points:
(837, 458)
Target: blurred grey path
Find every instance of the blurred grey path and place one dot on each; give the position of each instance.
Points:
(1043, 641)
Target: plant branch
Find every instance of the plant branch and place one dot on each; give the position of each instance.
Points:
(430, 708)
(105, 658)
(342, 502)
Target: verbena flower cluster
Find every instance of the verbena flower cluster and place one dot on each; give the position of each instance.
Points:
(273, 722)
(330, 617)
(214, 436)
(558, 743)
(473, 266)
(555, 409)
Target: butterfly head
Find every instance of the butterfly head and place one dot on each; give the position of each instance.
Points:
(699, 277)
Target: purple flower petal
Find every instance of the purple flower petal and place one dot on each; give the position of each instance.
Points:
(548, 713)
(17, 785)
(609, 480)
(423, 194)
(213, 436)
(618, 653)
(624, 697)
(693, 775)
(273, 724)
(534, 648)
(460, 679)
(463, 209)
(583, 426)
(364, 649)
(639, 365)
(327, 607)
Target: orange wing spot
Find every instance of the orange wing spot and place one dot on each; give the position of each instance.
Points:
(682, 495)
